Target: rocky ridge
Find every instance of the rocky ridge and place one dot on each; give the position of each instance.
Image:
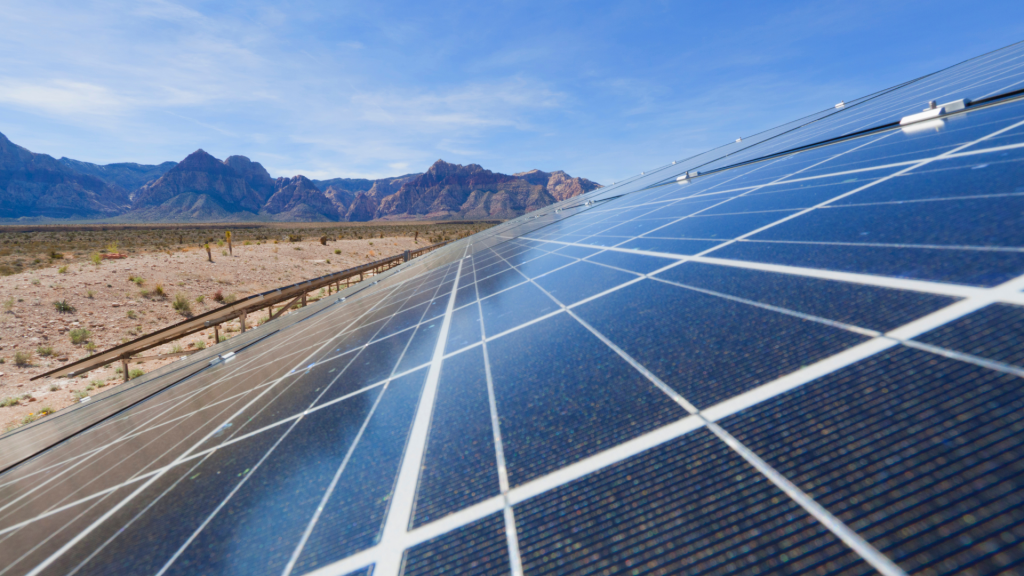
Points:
(203, 188)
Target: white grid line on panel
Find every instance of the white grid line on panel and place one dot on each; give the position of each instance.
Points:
(396, 524)
(511, 534)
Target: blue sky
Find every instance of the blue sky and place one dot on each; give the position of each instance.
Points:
(373, 89)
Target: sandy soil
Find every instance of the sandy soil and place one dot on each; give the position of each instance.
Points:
(105, 299)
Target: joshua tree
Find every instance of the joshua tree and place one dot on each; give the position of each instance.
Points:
(227, 235)
(209, 255)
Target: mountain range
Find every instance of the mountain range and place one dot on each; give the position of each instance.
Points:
(204, 188)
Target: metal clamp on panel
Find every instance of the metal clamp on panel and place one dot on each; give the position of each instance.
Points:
(935, 110)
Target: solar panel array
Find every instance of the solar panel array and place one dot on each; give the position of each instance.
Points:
(806, 359)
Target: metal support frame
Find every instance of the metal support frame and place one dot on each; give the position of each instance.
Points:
(236, 310)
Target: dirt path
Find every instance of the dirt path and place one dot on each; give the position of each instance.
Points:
(114, 309)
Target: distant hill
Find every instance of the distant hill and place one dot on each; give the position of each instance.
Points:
(203, 188)
(37, 185)
(127, 175)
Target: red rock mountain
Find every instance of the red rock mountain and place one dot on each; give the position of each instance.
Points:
(456, 191)
(203, 188)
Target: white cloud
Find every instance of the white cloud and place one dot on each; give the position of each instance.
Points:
(63, 97)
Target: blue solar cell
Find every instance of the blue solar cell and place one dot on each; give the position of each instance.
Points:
(721, 227)
(916, 452)
(354, 514)
(465, 328)
(708, 348)
(871, 307)
(460, 465)
(975, 267)
(478, 548)
(995, 332)
(638, 263)
(800, 194)
(421, 345)
(953, 178)
(516, 306)
(257, 530)
(964, 222)
(671, 246)
(159, 524)
(371, 365)
(565, 285)
(563, 396)
(690, 506)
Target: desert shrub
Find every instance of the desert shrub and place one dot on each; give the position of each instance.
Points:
(200, 344)
(89, 294)
(181, 304)
(131, 314)
(79, 394)
(90, 347)
(139, 280)
(63, 306)
(136, 372)
(79, 335)
(8, 304)
(45, 410)
(45, 351)
(95, 258)
(29, 418)
(218, 296)
(176, 349)
(337, 251)
(229, 298)
(9, 401)
(200, 298)
(295, 238)
(22, 358)
(54, 255)
(63, 269)
(35, 282)
(158, 291)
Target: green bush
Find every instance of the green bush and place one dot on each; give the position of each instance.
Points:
(136, 372)
(22, 358)
(45, 351)
(63, 306)
(79, 335)
(9, 401)
(181, 304)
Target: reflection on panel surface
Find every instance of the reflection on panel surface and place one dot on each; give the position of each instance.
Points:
(843, 297)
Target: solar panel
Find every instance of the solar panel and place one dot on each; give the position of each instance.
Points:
(805, 359)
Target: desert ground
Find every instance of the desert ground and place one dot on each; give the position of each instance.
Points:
(110, 301)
